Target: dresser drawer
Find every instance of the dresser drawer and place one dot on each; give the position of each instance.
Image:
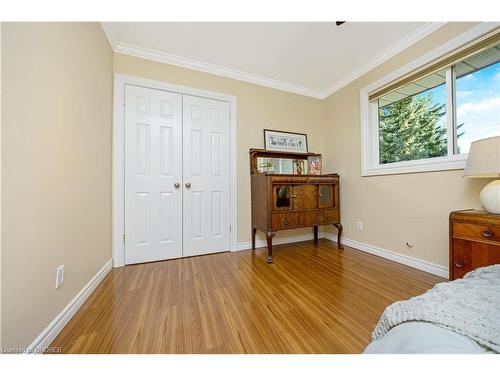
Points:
(468, 255)
(474, 241)
(476, 232)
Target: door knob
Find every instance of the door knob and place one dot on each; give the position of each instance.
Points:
(177, 185)
(188, 184)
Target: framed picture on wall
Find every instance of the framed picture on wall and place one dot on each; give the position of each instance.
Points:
(314, 164)
(275, 140)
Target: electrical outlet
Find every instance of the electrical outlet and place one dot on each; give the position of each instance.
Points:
(359, 226)
(59, 276)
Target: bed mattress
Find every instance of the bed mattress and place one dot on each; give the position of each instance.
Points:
(424, 338)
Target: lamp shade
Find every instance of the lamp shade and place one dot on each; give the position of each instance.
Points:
(484, 159)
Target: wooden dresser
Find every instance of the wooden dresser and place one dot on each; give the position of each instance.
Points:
(288, 201)
(474, 241)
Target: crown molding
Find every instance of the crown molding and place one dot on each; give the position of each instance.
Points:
(110, 34)
(184, 62)
(381, 58)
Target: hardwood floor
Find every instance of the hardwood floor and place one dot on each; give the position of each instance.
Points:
(311, 300)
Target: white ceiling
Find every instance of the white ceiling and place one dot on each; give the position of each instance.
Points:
(310, 58)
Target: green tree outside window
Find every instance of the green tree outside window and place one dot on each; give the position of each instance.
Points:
(409, 130)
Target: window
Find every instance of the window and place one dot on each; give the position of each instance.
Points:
(412, 121)
(477, 101)
(426, 119)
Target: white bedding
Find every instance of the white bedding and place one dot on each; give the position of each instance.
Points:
(424, 338)
(460, 316)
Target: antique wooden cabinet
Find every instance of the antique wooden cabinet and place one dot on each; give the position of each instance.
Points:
(288, 201)
(474, 241)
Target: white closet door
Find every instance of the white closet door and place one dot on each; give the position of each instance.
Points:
(206, 176)
(153, 167)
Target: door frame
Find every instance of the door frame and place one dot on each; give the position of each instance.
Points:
(118, 182)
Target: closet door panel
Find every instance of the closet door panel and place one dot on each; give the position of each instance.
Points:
(206, 175)
(153, 165)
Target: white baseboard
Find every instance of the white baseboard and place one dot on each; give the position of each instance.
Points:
(423, 265)
(49, 334)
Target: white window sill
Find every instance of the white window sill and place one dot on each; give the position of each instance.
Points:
(415, 166)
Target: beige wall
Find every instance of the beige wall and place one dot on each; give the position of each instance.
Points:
(258, 108)
(56, 169)
(397, 208)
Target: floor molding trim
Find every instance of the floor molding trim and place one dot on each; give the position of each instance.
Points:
(49, 334)
(422, 265)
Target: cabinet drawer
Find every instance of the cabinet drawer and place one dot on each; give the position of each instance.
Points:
(332, 216)
(286, 220)
(304, 219)
(323, 180)
(288, 179)
(476, 232)
(469, 255)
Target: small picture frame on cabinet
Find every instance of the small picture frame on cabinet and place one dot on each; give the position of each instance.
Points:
(314, 164)
(299, 167)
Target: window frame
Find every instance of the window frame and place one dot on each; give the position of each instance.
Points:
(370, 156)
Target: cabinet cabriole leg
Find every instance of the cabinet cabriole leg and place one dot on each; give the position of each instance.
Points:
(269, 238)
(339, 236)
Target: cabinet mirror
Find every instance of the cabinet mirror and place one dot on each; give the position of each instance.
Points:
(275, 165)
